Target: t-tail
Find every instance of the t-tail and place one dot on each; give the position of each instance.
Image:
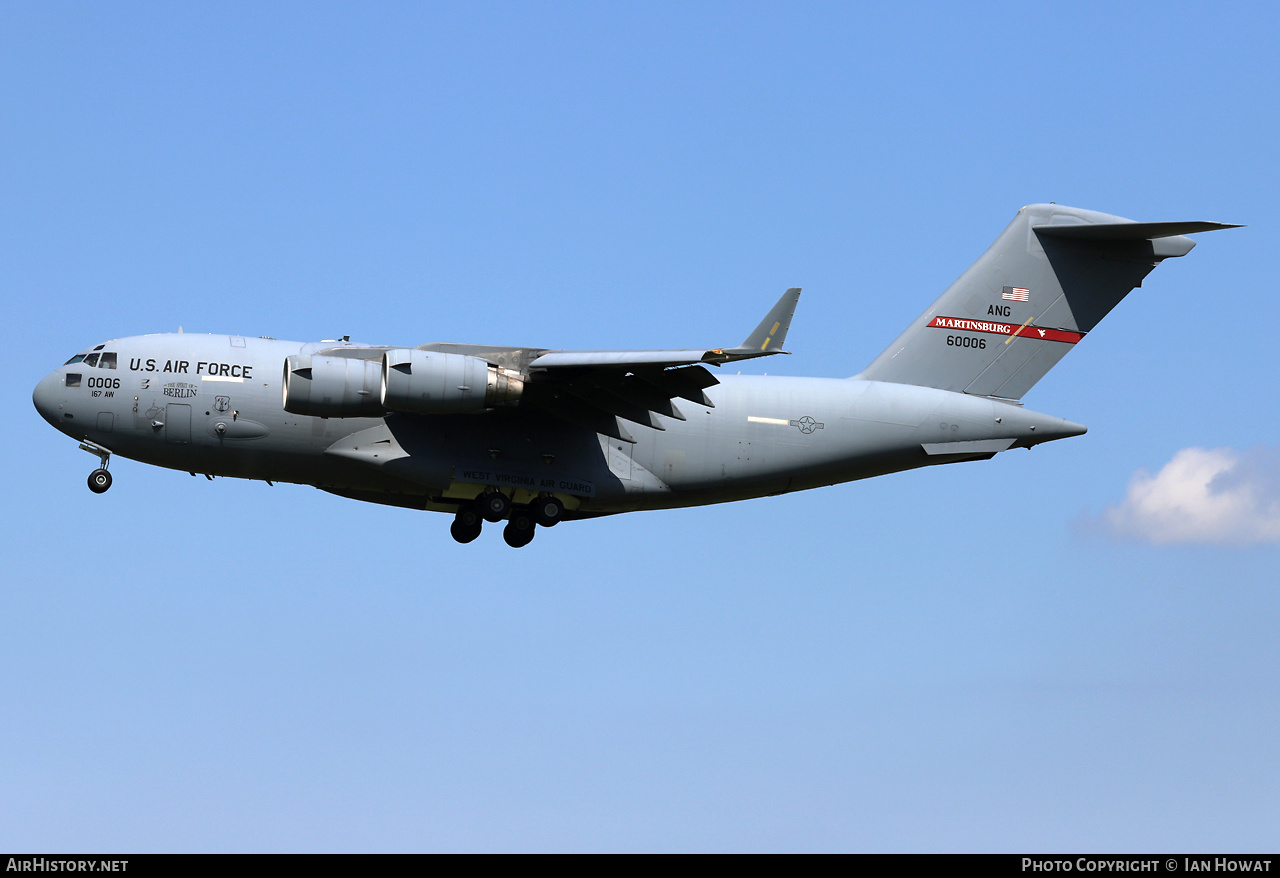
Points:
(1049, 278)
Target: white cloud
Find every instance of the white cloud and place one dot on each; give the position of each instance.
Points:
(1203, 495)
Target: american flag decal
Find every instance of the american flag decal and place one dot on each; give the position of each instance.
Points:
(1016, 294)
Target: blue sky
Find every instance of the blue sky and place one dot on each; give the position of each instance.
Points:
(995, 656)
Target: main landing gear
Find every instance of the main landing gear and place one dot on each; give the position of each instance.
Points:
(519, 529)
(466, 524)
(547, 511)
(522, 521)
(494, 505)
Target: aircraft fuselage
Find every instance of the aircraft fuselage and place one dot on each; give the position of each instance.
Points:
(212, 404)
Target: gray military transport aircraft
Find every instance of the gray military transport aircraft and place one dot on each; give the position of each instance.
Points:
(537, 436)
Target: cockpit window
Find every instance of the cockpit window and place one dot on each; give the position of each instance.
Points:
(100, 347)
(77, 358)
(108, 360)
(73, 379)
(91, 360)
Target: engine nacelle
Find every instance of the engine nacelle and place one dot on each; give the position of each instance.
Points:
(332, 387)
(429, 382)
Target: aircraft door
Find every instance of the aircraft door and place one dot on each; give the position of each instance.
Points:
(177, 424)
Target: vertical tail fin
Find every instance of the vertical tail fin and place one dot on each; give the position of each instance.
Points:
(1049, 278)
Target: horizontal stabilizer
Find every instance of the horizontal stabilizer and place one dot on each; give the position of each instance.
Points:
(1128, 231)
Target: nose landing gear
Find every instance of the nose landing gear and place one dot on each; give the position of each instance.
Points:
(99, 479)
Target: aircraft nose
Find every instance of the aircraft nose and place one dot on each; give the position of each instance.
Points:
(46, 397)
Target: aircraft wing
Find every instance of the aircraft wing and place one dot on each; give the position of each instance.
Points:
(617, 359)
(770, 334)
(601, 389)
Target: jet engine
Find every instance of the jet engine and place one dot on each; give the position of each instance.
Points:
(436, 383)
(332, 387)
(404, 380)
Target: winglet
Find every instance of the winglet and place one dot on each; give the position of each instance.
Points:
(768, 337)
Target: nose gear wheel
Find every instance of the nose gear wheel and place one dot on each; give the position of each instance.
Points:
(99, 481)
